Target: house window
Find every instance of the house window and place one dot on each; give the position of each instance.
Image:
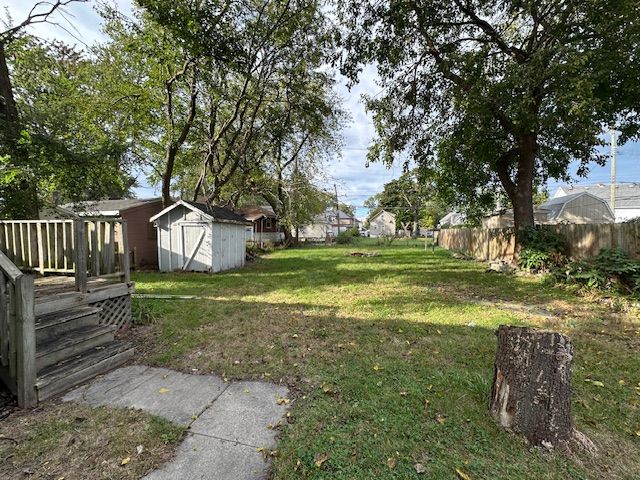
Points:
(268, 223)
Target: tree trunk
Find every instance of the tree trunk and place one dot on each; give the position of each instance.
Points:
(8, 109)
(170, 160)
(531, 393)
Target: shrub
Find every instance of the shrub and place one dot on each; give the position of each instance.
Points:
(542, 250)
(348, 236)
(611, 270)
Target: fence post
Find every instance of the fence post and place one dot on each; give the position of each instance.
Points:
(79, 233)
(26, 342)
(126, 259)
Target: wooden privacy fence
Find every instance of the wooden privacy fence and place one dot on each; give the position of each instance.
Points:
(51, 246)
(584, 241)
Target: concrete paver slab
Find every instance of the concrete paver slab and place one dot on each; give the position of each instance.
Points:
(227, 421)
(176, 396)
(242, 413)
(200, 457)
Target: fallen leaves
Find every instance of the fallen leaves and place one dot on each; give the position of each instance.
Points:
(376, 368)
(462, 475)
(320, 459)
(595, 383)
(283, 401)
(392, 462)
(125, 461)
(163, 390)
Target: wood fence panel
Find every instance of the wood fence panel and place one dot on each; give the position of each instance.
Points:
(583, 240)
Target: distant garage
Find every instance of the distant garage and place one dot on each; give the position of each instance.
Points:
(199, 238)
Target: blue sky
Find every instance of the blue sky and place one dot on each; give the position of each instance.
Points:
(354, 180)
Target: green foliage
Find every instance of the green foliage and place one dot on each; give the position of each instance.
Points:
(348, 236)
(493, 96)
(542, 249)
(611, 270)
(66, 143)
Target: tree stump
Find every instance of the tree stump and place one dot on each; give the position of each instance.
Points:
(531, 393)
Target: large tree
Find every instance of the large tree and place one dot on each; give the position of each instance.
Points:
(497, 94)
(19, 155)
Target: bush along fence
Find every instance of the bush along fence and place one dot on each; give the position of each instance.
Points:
(583, 241)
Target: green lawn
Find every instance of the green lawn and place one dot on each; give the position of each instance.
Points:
(390, 360)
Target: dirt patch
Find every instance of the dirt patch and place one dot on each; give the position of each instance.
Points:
(73, 441)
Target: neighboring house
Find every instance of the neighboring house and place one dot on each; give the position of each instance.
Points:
(504, 218)
(264, 224)
(382, 224)
(627, 197)
(318, 230)
(341, 221)
(196, 237)
(578, 208)
(143, 243)
(452, 219)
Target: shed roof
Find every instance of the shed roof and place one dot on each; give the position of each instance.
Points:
(555, 205)
(214, 213)
(627, 194)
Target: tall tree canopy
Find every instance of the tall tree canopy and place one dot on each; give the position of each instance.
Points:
(497, 94)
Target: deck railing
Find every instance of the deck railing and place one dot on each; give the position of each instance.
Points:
(17, 332)
(53, 246)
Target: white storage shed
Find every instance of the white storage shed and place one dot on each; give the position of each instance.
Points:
(199, 238)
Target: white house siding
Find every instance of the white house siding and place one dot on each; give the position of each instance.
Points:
(314, 232)
(624, 214)
(382, 224)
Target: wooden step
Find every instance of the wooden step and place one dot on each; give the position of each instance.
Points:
(53, 324)
(70, 343)
(82, 367)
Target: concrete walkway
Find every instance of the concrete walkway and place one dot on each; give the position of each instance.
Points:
(227, 422)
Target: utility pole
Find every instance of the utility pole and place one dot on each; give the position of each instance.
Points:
(614, 149)
(335, 188)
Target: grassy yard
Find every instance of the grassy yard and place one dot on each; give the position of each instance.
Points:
(390, 359)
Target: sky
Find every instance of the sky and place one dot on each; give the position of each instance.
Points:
(354, 180)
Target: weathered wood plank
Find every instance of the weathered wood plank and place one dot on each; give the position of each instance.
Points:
(26, 342)
(80, 255)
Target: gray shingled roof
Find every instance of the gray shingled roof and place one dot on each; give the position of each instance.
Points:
(627, 194)
(218, 213)
(99, 207)
(554, 205)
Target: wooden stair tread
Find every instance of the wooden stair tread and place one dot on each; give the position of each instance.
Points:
(70, 338)
(78, 363)
(63, 316)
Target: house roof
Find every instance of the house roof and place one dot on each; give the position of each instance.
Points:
(627, 194)
(380, 213)
(213, 213)
(343, 215)
(453, 219)
(555, 205)
(106, 208)
(256, 212)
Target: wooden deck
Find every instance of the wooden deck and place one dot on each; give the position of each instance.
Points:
(56, 285)
(57, 331)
